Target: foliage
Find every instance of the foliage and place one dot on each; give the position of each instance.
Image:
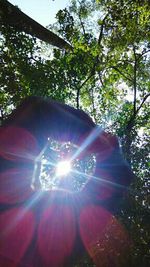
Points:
(106, 74)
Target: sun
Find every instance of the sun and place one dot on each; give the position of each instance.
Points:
(63, 168)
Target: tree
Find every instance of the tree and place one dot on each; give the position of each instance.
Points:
(106, 74)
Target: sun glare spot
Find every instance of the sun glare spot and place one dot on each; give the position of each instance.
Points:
(58, 160)
(63, 168)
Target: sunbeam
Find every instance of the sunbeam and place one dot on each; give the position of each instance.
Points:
(19, 216)
(88, 141)
(99, 179)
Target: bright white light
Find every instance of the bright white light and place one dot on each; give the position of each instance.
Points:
(63, 168)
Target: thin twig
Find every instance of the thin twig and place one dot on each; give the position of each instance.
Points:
(144, 53)
(119, 71)
(100, 78)
(82, 25)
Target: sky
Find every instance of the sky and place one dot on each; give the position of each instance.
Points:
(42, 11)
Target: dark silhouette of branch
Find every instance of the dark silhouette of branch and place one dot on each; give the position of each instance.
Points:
(130, 123)
(134, 81)
(1, 115)
(79, 89)
(99, 40)
(96, 61)
(101, 30)
(143, 53)
(82, 24)
(100, 78)
(143, 101)
(11, 15)
(93, 104)
(128, 129)
(78, 98)
(119, 71)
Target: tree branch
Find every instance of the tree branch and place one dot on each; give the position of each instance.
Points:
(82, 25)
(93, 103)
(13, 16)
(134, 82)
(96, 61)
(128, 129)
(94, 65)
(101, 31)
(79, 89)
(100, 78)
(100, 39)
(1, 115)
(143, 101)
(119, 71)
(144, 53)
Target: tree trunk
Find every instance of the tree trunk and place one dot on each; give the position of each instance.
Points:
(11, 15)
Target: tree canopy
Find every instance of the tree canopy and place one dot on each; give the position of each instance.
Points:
(106, 73)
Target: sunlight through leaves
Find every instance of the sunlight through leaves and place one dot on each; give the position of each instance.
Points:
(55, 169)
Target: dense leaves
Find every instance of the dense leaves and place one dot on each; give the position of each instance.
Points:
(106, 74)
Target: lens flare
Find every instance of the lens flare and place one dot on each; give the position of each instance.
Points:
(56, 162)
(63, 168)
